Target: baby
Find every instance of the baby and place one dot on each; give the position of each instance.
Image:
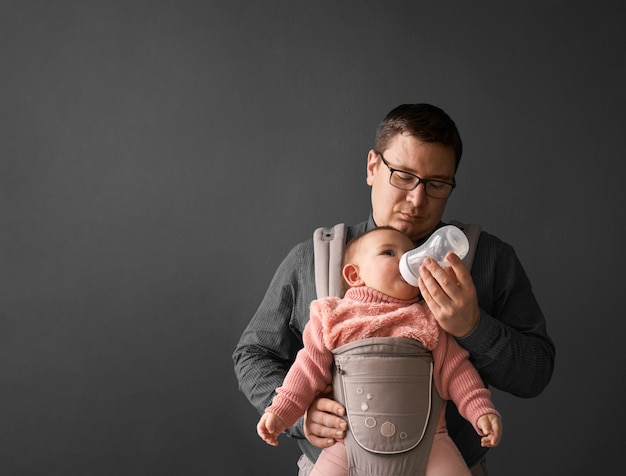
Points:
(380, 303)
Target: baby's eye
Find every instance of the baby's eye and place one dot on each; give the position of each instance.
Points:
(388, 253)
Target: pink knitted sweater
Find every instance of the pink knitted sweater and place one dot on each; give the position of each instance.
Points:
(363, 313)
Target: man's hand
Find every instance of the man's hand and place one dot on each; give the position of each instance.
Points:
(323, 424)
(450, 295)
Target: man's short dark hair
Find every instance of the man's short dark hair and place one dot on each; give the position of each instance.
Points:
(425, 122)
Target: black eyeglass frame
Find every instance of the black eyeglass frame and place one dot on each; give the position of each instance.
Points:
(419, 179)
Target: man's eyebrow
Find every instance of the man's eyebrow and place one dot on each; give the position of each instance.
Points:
(440, 177)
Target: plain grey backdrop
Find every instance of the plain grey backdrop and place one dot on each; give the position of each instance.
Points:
(158, 159)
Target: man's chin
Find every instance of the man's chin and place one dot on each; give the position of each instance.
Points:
(414, 229)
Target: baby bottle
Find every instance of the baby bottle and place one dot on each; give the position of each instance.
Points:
(441, 242)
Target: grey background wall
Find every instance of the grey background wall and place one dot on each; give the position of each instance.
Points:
(158, 159)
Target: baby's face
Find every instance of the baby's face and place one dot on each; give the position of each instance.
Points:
(378, 261)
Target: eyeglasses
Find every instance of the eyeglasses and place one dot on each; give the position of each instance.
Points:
(408, 181)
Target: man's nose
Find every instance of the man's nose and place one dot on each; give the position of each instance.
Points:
(417, 195)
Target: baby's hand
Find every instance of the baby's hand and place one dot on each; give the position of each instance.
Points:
(269, 427)
(491, 427)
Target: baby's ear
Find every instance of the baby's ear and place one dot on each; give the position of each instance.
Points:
(351, 275)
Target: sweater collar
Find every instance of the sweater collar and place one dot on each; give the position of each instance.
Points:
(370, 295)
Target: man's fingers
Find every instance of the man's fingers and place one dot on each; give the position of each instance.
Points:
(323, 422)
(327, 406)
(319, 441)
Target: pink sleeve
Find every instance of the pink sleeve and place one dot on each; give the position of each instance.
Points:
(310, 373)
(458, 380)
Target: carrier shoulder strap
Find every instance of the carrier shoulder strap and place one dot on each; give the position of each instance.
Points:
(328, 246)
(472, 231)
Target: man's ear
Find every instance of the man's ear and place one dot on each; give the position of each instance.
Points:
(372, 163)
(351, 275)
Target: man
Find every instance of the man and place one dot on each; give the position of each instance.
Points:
(492, 312)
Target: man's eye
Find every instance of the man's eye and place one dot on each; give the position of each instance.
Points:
(404, 177)
(435, 185)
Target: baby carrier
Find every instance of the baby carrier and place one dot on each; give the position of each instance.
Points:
(385, 383)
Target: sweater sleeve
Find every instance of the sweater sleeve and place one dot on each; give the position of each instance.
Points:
(510, 346)
(269, 344)
(457, 379)
(309, 375)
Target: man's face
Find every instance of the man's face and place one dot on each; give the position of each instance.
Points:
(412, 212)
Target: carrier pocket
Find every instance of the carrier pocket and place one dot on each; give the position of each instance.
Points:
(387, 395)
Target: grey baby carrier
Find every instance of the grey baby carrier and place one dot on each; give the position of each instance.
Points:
(385, 383)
